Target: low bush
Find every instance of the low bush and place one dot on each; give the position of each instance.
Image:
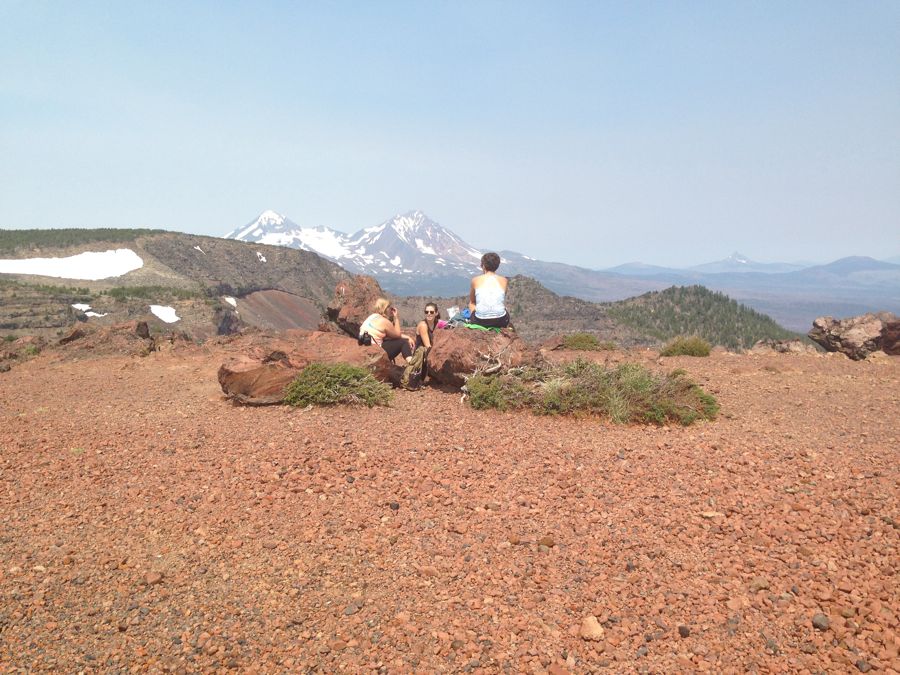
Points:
(31, 350)
(687, 346)
(122, 293)
(330, 384)
(9, 338)
(628, 393)
(585, 342)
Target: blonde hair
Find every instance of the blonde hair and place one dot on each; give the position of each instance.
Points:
(381, 305)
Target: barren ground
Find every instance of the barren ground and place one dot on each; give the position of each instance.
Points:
(147, 524)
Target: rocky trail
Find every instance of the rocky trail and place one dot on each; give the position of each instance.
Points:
(150, 525)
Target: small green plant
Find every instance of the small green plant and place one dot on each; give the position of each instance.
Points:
(687, 346)
(628, 393)
(496, 392)
(330, 384)
(586, 342)
(122, 293)
(31, 350)
(9, 338)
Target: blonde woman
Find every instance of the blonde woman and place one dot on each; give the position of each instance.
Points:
(383, 326)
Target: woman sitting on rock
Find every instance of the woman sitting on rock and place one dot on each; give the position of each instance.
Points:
(417, 369)
(487, 296)
(425, 329)
(383, 325)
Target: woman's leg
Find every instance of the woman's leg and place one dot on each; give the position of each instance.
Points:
(395, 346)
(499, 322)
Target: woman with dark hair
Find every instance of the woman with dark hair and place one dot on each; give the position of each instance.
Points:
(425, 329)
(383, 326)
(487, 295)
(417, 369)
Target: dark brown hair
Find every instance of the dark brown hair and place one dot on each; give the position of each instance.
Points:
(437, 312)
(490, 261)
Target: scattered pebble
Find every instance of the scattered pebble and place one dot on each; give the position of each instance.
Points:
(820, 621)
(591, 629)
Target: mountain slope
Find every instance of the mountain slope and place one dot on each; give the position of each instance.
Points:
(738, 263)
(207, 278)
(695, 310)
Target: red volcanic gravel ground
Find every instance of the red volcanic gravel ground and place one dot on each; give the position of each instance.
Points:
(147, 524)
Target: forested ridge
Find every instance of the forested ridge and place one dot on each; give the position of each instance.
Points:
(696, 310)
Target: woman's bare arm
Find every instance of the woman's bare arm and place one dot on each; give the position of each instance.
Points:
(422, 331)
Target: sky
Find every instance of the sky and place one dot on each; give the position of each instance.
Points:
(592, 133)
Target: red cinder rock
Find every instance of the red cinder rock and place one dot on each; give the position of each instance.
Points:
(254, 383)
(857, 337)
(890, 337)
(459, 352)
(352, 302)
(266, 364)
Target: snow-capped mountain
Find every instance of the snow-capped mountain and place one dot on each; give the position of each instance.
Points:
(410, 243)
(739, 263)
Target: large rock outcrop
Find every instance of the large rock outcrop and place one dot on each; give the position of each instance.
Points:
(858, 336)
(890, 337)
(459, 352)
(264, 364)
(352, 302)
(770, 345)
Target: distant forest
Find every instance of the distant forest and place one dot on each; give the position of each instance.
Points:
(696, 310)
(13, 240)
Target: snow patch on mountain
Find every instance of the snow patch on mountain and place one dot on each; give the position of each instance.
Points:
(88, 266)
(409, 243)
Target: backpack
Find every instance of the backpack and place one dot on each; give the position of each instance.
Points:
(364, 340)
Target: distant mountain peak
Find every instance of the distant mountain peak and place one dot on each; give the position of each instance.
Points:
(409, 242)
(269, 217)
(739, 258)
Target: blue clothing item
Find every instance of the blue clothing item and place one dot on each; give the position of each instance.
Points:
(466, 314)
(490, 299)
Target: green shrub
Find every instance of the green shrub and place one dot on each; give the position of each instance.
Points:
(122, 293)
(31, 350)
(9, 338)
(628, 393)
(502, 392)
(585, 342)
(329, 384)
(687, 346)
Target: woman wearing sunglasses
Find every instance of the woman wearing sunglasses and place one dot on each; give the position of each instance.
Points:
(425, 329)
(417, 368)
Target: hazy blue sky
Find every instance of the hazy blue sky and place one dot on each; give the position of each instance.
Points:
(592, 133)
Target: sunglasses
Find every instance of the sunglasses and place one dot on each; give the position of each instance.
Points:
(429, 311)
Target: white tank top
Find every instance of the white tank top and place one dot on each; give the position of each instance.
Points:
(490, 299)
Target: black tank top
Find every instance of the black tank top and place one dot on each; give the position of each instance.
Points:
(419, 342)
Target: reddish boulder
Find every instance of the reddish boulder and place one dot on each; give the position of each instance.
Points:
(75, 334)
(265, 364)
(253, 383)
(352, 302)
(890, 337)
(857, 337)
(459, 352)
